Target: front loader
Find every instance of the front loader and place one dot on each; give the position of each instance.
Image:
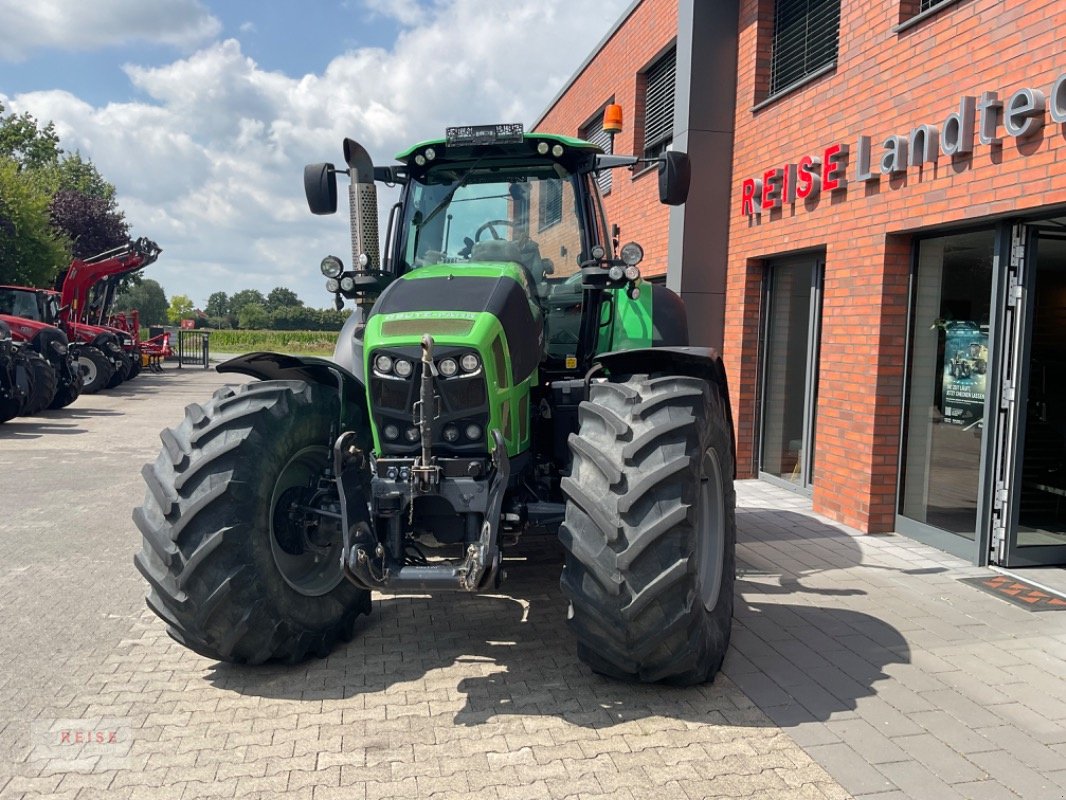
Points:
(506, 371)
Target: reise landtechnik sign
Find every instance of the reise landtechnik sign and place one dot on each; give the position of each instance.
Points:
(1022, 115)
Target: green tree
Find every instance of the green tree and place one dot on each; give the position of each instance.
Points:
(148, 298)
(294, 318)
(254, 316)
(78, 174)
(31, 251)
(217, 305)
(280, 297)
(242, 298)
(181, 307)
(24, 141)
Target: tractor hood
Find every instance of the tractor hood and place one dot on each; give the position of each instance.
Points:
(23, 329)
(446, 299)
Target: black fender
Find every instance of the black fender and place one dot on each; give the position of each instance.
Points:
(280, 367)
(696, 362)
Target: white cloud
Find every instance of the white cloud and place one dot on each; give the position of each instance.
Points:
(79, 25)
(210, 163)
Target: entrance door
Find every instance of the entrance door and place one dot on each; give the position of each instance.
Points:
(1029, 514)
(790, 371)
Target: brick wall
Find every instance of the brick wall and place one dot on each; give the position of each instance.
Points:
(633, 202)
(884, 84)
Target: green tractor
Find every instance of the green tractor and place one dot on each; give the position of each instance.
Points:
(506, 373)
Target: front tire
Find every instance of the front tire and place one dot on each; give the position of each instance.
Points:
(121, 371)
(649, 531)
(44, 384)
(227, 572)
(96, 370)
(68, 391)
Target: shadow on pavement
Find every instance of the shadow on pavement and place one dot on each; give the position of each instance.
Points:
(36, 427)
(516, 656)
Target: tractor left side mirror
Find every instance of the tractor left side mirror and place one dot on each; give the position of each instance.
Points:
(320, 188)
(674, 174)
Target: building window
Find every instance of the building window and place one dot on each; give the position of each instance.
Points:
(804, 40)
(914, 11)
(593, 132)
(549, 204)
(659, 105)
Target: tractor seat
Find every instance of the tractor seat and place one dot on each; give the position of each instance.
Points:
(522, 251)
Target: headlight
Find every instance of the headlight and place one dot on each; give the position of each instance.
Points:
(451, 433)
(473, 432)
(331, 266)
(392, 432)
(448, 367)
(347, 283)
(411, 434)
(632, 254)
(403, 368)
(383, 364)
(469, 362)
(332, 285)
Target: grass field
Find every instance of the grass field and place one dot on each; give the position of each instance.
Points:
(318, 343)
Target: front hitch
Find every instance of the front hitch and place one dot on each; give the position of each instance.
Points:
(365, 560)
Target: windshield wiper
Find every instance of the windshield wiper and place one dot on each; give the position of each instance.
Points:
(445, 201)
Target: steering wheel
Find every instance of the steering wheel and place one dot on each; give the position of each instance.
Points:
(490, 227)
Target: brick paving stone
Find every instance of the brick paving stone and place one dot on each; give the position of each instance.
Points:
(848, 651)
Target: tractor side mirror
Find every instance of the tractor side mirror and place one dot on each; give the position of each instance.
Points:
(320, 187)
(675, 172)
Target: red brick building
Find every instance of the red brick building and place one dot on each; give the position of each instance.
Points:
(891, 299)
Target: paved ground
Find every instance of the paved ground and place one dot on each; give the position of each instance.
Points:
(860, 665)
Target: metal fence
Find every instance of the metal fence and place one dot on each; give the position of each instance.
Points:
(194, 348)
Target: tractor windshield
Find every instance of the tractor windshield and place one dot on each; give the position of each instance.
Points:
(528, 215)
(523, 215)
(19, 303)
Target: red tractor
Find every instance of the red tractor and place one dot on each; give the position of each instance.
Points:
(97, 352)
(46, 365)
(87, 293)
(106, 356)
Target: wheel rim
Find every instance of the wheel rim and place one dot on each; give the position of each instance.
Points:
(88, 371)
(312, 568)
(710, 528)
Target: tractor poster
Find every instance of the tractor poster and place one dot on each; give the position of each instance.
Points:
(965, 372)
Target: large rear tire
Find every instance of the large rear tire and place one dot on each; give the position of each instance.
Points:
(650, 531)
(228, 571)
(96, 369)
(44, 384)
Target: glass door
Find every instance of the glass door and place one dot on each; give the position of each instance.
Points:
(790, 371)
(1029, 513)
(948, 377)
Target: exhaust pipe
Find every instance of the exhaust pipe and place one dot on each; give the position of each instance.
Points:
(363, 202)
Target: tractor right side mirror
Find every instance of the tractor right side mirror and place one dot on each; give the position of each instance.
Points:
(674, 174)
(320, 187)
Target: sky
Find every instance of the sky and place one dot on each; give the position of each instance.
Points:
(204, 112)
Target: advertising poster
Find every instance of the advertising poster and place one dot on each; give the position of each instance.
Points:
(965, 372)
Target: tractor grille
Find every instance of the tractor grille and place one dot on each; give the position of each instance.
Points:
(463, 402)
